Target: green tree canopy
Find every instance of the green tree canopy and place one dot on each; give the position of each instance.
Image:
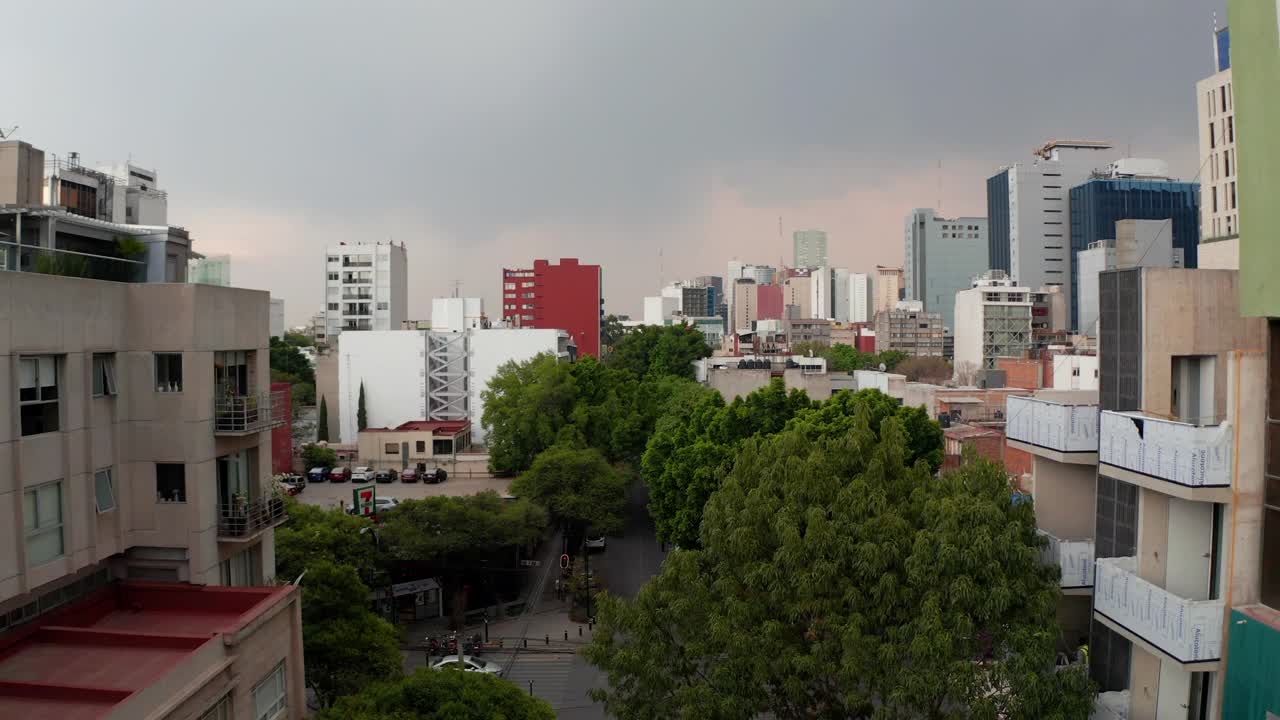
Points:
(297, 339)
(660, 350)
(316, 534)
(345, 644)
(611, 331)
(578, 487)
(441, 695)
(837, 581)
(316, 455)
(362, 416)
(289, 365)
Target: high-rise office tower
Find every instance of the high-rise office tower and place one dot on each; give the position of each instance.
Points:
(810, 248)
(1219, 207)
(943, 256)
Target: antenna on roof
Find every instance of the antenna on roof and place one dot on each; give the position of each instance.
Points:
(6, 134)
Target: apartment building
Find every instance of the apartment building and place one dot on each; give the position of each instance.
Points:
(137, 457)
(993, 319)
(1219, 197)
(568, 296)
(366, 287)
(910, 329)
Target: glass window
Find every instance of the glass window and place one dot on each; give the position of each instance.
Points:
(420, 446)
(269, 695)
(171, 482)
(384, 306)
(38, 394)
(42, 519)
(168, 372)
(103, 490)
(241, 569)
(104, 374)
(392, 448)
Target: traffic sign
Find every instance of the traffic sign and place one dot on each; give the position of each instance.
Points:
(564, 562)
(530, 563)
(362, 499)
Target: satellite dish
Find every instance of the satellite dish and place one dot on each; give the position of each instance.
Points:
(882, 367)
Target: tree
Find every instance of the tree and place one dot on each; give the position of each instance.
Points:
(322, 425)
(315, 534)
(811, 348)
(891, 359)
(362, 417)
(525, 405)
(611, 331)
(457, 533)
(289, 365)
(315, 455)
(836, 581)
(441, 695)
(297, 339)
(922, 368)
(345, 644)
(839, 415)
(966, 373)
(653, 351)
(846, 358)
(304, 394)
(578, 486)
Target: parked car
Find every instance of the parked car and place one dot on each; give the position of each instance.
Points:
(293, 484)
(409, 475)
(435, 475)
(468, 663)
(381, 504)
(385, 476)
(340, 474)
(362, 473)
(595, 542)
(318, 474)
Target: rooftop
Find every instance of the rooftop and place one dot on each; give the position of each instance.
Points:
(81, 662)
(443, 428)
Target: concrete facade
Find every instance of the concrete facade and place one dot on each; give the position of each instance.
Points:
(992, 319)
(366, 287)
(888, 285)
(912, 331)
(810, 248)
(1216, 128)
(943, 256)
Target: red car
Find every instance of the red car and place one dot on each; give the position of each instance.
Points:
(409, 475)
(340, 474)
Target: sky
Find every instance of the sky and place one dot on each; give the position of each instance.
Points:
(658, 138)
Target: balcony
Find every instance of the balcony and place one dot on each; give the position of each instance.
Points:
(1058, 431)
(1161, 623)
(235, 415)
(357, 296)
(242, 521)
(46, 261)
(1191, 462)
(1075, 558)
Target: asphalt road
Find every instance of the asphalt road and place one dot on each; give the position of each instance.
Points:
(624, 566)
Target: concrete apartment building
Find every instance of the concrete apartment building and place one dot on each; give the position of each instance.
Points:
(943, 257)
(810, 248)
(889, 284)
(910, 329)
(993, 319)
(366, 287)
(1029, 208)
(1219, 197)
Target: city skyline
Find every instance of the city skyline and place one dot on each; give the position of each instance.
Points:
(279, 178)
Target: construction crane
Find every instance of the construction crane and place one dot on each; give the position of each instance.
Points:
(6, 134)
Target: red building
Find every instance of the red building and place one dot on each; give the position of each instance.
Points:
(282, 435)
(568, 296)
(768, 302)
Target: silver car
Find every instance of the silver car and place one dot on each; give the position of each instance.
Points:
(470, 663)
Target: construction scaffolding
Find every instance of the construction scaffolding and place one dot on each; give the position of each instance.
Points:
(447, 376)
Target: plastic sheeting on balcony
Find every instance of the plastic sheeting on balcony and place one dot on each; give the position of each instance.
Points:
(1189, 631)
(1056, 426)
(1074, 557)
(1189, 455)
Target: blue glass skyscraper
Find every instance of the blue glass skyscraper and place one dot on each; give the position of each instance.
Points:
(1097, 204)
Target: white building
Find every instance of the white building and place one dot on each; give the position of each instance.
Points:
(1028, 206)
(276, 324)
(860, 298)
(366, 287)
(1219, 215)
(993, 319)
(1075, 372)
(456, 314)
(425, 375)
(659, 308)
(821, 294)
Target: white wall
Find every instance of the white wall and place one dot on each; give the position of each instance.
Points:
(1075, 372)
(658, 309)
(455, 314)
(820, 294)
(842, 295)
(1089, 264)
(968, 330)
(860, 298)
(491, 349)
(277, 318)
(393, 366)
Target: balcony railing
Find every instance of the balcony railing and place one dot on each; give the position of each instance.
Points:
(241, 520)
(1189, 631)
(1052, 425)
(1074, 557)
(357, 296)
(1191, 456)
(357, 263)
(46, 261)
(245, 414)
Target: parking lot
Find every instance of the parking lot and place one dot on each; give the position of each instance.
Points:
(465, 478)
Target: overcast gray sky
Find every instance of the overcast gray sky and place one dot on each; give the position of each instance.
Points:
(484, 134)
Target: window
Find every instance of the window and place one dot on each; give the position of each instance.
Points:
(333, 276)
(38, 394)
(332, 258)
(392, 448)
(1222, 96)
(269, 695)
(1215, 198)
(384, 306)
(103, 491)
(221, 710)
(333, 306)
(171, 482)
(509, 286)
(168, 372)
(1213, 141)
(1226, 164)
(420, 446)
(1231, 128)
(1233, 194)
(241, 569)
(104, 374)
(42, 518)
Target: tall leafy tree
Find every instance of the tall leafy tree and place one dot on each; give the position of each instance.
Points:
(316, 534)
(322, 425)
(525, 405)
(362, 416)
(654, 350)
(441, 695)
(611, 331)
(289, 365)
(578, 486)
(345, 644)
(835, 580)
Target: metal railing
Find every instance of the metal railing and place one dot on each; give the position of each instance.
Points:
(357, 296)
(241, 519)
(244, 414)
(68, 263)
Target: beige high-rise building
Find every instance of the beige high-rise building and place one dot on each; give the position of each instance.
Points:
(888, 287)
(797, 291)
(1219, 207)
